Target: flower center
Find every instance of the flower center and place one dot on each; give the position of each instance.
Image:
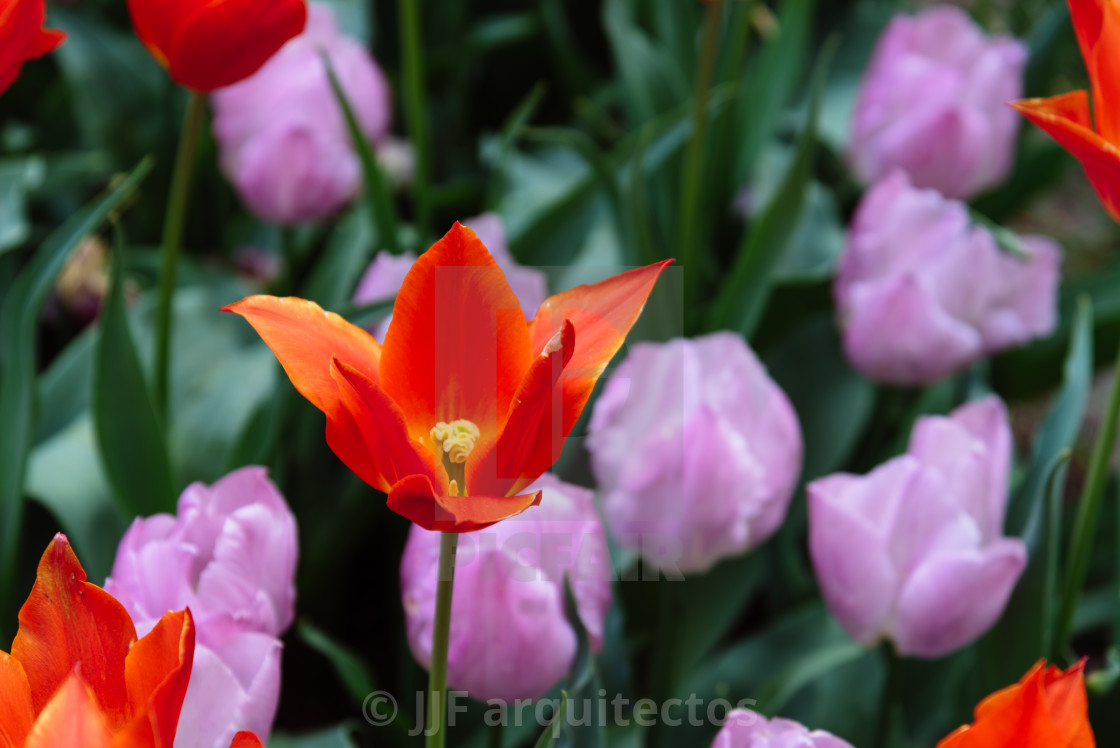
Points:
(454, 443)
(456, 439)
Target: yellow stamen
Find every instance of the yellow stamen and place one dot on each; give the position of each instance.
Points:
(456, 439)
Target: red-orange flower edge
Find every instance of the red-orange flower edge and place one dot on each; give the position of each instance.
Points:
(466, 403)
(22, 36)
(1066, 117)
(77, 676)
(207, 45)
(1047, 708)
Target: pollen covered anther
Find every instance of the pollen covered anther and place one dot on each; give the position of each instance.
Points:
(456, 440)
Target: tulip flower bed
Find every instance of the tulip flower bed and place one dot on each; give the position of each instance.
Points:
(618, 373)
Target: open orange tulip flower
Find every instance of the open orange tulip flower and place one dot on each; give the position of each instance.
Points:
(466, 403)
(1066, 117)
(22, 36)
(77, 676)
(1047, 708)
(209, 44)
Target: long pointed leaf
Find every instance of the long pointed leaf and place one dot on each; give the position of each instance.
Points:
(18, 321)
(130, 434)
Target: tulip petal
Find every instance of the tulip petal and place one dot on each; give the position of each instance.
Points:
(1065, 118)
(602, 314)
(1097, 23)
(16, 712)
(1046, 708)
(955, 597)
(67, 622)
(235, 685)
(413, 498)
(246, 740)
(458, 345)
(305, 339)
(371, 436)
(217, 44)
(157, 671)
(509, 464)
(72, 718)
(848, 548)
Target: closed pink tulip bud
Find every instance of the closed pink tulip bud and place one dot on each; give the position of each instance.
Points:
(384, 276)
(696, 451)
(282, 136)
(922, 293)
(746, 729)
(230, 556)
(914, 551)
(510, 636)
(933, 102)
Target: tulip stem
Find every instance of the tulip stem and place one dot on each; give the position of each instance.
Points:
(172, 238)
(437, 677)
(1088, 512)
(887, 701)
(413, 70)
(687, 244)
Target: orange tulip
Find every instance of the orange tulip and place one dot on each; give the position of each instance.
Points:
(77, 676)
(1045, 709)
(466, 403)
(208, 44)
(22, 36)
(1066, 117)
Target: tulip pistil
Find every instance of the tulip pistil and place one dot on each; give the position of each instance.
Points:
(454, 443)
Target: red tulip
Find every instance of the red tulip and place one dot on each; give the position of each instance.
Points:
(22, 36)
(467, 402)
(208, 44)
(1066, 117)
(77, 676)
(1045, 709)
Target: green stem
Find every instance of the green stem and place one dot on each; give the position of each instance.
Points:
(687, 243)
(437, 678)
(172, 238)
(887, 700)
(1088, 512)
(413, 70)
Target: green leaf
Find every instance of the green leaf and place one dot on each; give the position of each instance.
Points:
(333, 737)
(349, 666)
(18, 176)
(743, 296)
(834, 403)
(551, 734)
(65, 475)
(349, 250)
(19, 318)
(376, 188)
(806, 668)
(131, 437)
(652, 80)
(1058, 431)
(775, 75)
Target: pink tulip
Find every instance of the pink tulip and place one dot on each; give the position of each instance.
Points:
(914, 551)
(933, 102)
(696, 451)
(384, 276)
(283, 140)
(746, 729)
(510, 636)
(922, 293)
(230, 556)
